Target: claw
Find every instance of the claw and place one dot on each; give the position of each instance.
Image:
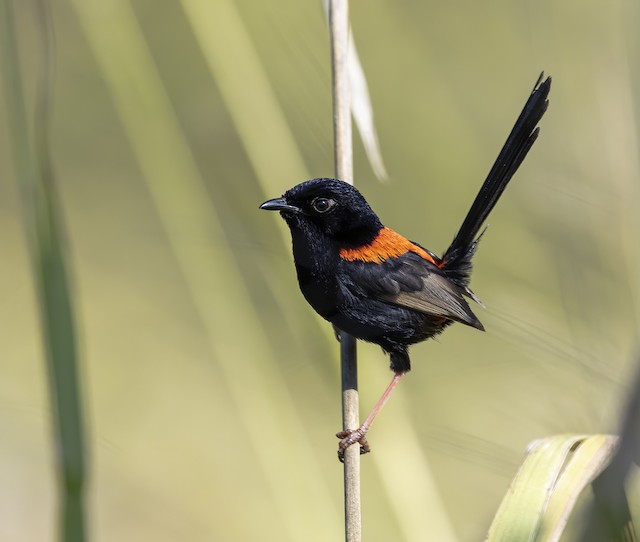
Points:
(350, 437)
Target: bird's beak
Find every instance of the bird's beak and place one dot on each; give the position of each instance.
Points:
(280, 204)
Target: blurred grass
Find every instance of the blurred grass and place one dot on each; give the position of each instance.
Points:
(49, 268)
(213, 390)
(279, 443)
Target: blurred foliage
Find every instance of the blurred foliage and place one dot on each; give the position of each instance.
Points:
(212, 389)
(30, 147)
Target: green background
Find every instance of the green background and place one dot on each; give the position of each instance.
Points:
(211, 389)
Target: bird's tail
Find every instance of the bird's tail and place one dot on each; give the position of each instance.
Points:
(456, 261)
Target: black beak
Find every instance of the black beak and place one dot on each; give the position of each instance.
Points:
(279, 204)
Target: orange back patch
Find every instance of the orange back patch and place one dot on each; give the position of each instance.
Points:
(388, 244)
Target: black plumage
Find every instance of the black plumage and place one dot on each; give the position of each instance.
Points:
(375, 284)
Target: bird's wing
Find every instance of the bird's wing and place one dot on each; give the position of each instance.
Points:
(409, 281)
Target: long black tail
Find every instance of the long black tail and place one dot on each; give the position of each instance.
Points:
(457, 258)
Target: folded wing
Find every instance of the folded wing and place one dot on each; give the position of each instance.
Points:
(412, 282)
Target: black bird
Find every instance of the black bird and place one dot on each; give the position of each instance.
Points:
(376, 285)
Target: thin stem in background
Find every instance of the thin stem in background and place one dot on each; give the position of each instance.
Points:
(339, 28)
(43, 224)
(609, 517)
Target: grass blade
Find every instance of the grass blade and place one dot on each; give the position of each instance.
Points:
(360, 104)
(43, 222)
(279, 440)
(610, 515)
(545, 489)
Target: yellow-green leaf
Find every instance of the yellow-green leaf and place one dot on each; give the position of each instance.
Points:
(543, 493)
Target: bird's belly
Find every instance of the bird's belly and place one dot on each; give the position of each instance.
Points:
(366, 318)
(381, 323)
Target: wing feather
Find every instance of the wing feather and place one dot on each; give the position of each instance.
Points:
(411, 282)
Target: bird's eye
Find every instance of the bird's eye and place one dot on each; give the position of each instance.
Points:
(322, 205)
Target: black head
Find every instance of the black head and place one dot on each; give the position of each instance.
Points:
(334, 207)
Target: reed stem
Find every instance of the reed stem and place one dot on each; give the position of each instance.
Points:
(343, 154)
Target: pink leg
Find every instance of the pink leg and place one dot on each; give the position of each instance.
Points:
(351, 436)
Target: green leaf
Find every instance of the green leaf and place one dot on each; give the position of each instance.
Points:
(543, 493)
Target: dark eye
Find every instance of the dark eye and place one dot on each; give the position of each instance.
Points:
(322, 205)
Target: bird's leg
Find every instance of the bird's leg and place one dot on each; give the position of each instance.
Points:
(351, 436)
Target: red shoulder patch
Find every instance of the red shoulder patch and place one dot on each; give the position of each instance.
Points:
(388, 244)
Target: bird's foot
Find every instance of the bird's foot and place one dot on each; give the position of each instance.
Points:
(349, 437)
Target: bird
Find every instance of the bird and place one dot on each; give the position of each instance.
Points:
(375, 284)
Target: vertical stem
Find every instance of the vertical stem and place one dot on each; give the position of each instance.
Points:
(349, 372)
(43, 224)
(339, 27)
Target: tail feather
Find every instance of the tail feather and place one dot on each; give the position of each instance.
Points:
(457, 258)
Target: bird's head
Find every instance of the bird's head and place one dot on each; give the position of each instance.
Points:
(332, 207)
